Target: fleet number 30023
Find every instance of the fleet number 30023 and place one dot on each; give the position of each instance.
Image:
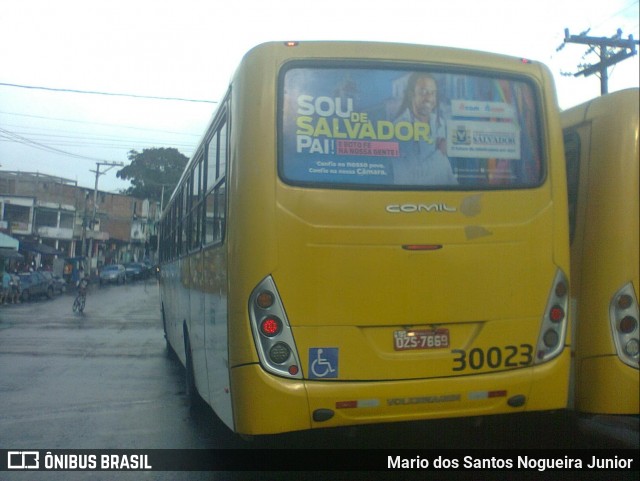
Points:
(493, 357)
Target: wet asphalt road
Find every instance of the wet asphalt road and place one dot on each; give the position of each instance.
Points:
(103, 380)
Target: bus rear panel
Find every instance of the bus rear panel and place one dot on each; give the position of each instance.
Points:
(417, 265)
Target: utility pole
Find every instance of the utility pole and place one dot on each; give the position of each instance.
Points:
(84, 224)
(610, 50)
(110, 166)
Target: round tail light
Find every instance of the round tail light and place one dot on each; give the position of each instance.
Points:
(624, 301)
(279, 353)
(265, 299)
(556, 314)
(550, 338)
(628, 324)
(561, 289)
(271, 326)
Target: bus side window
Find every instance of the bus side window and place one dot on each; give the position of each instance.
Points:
(215, 199)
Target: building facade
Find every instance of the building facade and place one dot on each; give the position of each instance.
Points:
(54, 218)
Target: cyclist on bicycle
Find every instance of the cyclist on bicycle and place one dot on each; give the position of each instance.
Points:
(81, 284)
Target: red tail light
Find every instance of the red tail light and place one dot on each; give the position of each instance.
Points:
(623, 317)
(551, 340)
(271, 326)
(556, 314)
(627, 324)
(272, 331)
(422, 247)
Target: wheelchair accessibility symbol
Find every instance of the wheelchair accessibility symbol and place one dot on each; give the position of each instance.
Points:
(323, 362)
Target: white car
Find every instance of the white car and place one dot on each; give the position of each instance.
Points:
(115, 273)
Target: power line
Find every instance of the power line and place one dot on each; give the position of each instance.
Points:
(57, 137)
(113, 94)
(114, 145)
(610, 50)
(84, 122)
(626, 7)
(615, 15)
(71, 141)
(603, 21)
(32, 143)
(91, 139)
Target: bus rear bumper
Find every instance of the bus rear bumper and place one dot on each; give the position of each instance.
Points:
(538, 388)
(266, 404)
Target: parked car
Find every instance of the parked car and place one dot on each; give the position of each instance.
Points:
(59, 285)
(34, 284)
(115, 273)
(136, 270)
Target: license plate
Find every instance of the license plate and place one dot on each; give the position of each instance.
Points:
(421, 339)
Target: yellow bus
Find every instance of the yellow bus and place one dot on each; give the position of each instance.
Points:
(601, 148)
(372, 233)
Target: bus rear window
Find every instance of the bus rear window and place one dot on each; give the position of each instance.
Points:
(407, 129)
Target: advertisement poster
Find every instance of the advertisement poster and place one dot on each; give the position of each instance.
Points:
(383, 128)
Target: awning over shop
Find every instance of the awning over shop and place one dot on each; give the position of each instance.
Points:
(8, 242)
(39, 248)
(6, 253)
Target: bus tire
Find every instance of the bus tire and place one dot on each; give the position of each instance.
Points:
(195, 401)
(171, 353)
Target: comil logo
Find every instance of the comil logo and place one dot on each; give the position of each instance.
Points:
(411, 208)
(23, 460)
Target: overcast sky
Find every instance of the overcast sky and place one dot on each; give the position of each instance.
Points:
(189, 49)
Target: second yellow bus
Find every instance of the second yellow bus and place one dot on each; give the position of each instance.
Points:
(601, 142)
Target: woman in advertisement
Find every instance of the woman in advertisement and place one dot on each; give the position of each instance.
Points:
(423, 162)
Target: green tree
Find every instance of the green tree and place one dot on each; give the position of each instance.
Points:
(152, 169)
